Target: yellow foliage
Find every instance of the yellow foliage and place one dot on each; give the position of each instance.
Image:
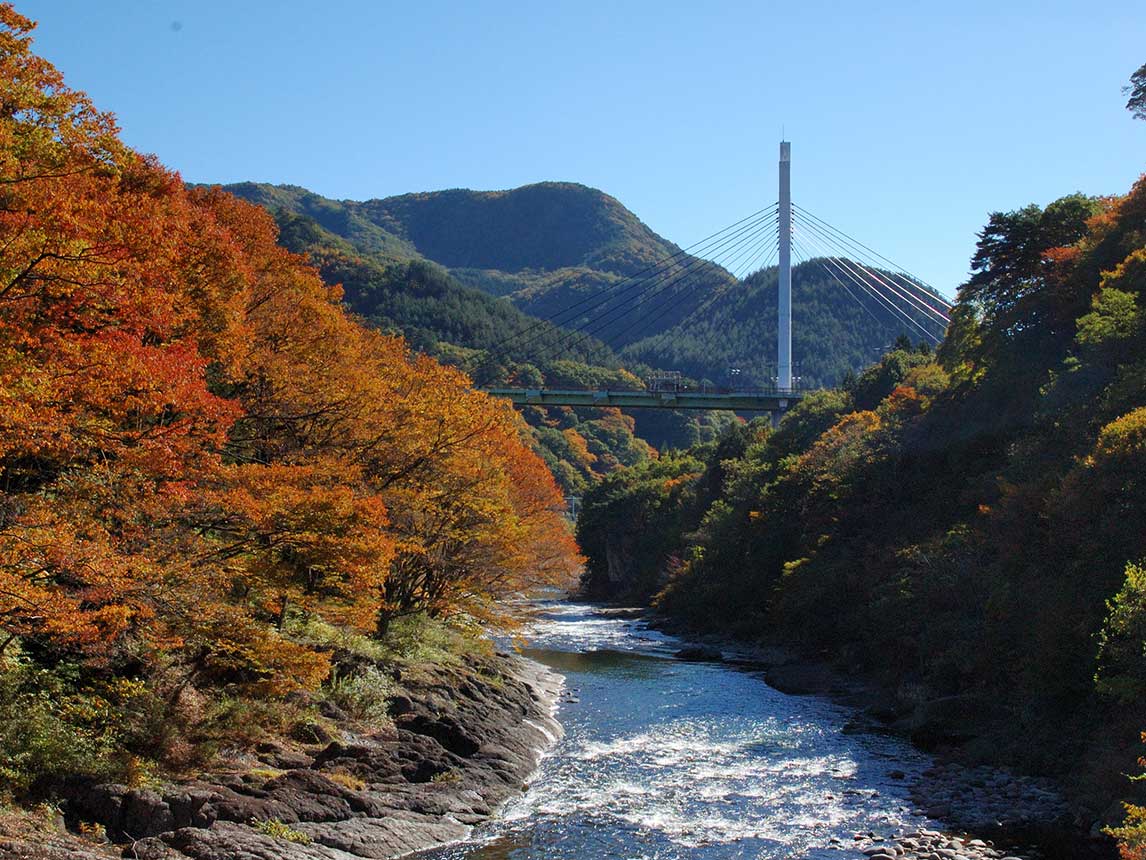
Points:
(1123, 437)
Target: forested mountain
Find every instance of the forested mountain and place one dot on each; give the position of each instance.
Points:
(336, 217)
(459, 325)
(463, 275)
(544, 246)
(437, 314)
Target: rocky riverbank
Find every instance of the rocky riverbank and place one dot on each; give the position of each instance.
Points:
(935, 845)
(463, 739)
(984, 813)
(979, 812)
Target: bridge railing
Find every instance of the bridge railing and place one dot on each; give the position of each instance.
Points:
(767, 400)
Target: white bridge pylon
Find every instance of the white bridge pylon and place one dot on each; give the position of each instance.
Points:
(784, 315)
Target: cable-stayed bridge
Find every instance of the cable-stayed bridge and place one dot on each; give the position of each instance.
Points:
(887, 293)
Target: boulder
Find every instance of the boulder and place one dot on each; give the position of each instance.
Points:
(445, 730)
(700, 654)
(145, 813)
(801, 678)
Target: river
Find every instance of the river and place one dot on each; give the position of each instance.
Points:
(667, 759)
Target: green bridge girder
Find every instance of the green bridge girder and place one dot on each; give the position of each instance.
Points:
(740, 401)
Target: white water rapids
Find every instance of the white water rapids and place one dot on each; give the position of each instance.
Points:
(667, 759)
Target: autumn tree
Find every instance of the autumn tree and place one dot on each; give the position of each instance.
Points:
(196, 440)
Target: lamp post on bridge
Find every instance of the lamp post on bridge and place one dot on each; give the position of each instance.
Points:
(784, 326)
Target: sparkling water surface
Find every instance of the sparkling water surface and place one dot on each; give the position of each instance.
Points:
(667, 759)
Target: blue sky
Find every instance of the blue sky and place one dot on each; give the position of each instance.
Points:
(910, 121)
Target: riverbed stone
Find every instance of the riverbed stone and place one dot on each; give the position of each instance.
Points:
(700, 654)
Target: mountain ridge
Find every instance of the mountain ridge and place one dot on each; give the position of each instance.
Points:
(545, 246)
(552, 248)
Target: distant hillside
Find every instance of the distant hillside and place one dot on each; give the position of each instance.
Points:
(543, 246)
(419, 299)
(336, 217)
(831, 333)
(551, 225)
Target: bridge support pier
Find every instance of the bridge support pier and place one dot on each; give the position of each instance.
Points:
(777, 414)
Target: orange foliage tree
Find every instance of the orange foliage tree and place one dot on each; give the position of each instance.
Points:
(196, 440)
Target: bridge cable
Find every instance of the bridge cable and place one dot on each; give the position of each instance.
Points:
(870, 289)
(826, 239)
(877, 258)
(497, 351)
(930, 313)
(684, 271)
(876, 283)
(759, 250)
(748, 269)
(745, 271)
(590, 327)
(614, 294)
(914, 281)
(733, 263)
(610, 289)
(895, 317)
(813, 260)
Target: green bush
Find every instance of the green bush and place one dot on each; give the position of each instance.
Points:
(322, 635)
(50, 730)
(420, 639)
(1131, 835)
(363, 695)
(1122, 661)
(242, 721)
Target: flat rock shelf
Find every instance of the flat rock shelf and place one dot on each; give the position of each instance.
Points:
(464, 739)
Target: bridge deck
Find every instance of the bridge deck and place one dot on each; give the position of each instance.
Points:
(741, 401)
